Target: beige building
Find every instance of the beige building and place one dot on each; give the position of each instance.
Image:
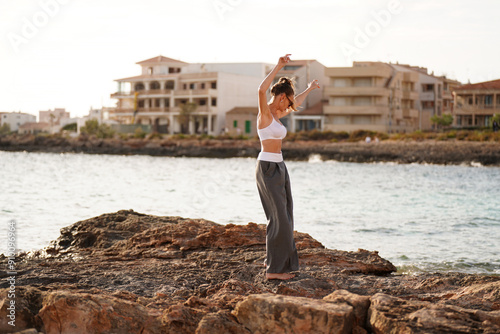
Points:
(242, 121)
(371, 96)
(159, 96)
(385, 97)
(16, 119)
(34, 128)
(54, 117)
(310, 114)
(435, 94)
(475, 104)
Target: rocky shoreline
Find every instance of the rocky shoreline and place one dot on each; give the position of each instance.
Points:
(453, 152)
(128, 272)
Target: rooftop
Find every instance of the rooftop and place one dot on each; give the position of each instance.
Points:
(161, 59)
(487, 85)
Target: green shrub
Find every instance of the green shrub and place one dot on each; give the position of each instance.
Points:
(139, 133)
(92, 127)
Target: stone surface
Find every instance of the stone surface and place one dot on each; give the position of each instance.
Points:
(389, 314)
(270, 313)
(155, 274)
(69, 312)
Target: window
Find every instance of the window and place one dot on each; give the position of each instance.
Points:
(150, 70)
(202, 102)
(192, 86)
(214, 102)
(362, 101)
(248, 126)
(184, 86)
(169, 84)
(202, 85)
(167, 103)
(235, 124)
(362, 82)
(214, 85)
(488, 100)
(154, 85)
(174, 70)
(339, 82)
(139, 86)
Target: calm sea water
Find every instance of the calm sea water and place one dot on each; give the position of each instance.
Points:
(420, 217)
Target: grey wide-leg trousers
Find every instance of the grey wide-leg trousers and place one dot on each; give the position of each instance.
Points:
(275, 193)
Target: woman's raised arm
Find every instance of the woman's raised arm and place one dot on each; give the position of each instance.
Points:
(266, 83)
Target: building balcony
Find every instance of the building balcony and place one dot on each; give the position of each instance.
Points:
(196, 92)
(355, 91)
(167, 93)
(427, 96)
(406, 113)
(355, 110)
(477, 110)
(410, 95)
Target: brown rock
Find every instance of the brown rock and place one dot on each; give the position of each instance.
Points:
(389, 314)
(68, 312)
(27, 303)
(269, 313)
(179, 275)
(182, 319)
(360, 305)
(222, 322)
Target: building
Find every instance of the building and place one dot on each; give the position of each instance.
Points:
(310, 114)
(435, 94)
(34, 128)
(371, 96)
(177, 97)
(242, 121)
(56, 118)
(475, 104)
(385, 97)
(15, 119)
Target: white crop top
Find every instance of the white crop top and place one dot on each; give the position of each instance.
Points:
(274, 131)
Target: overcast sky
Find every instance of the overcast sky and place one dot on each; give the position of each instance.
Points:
(67, 53)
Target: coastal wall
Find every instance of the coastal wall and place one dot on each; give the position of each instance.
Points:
(127, 272)
(429, 151)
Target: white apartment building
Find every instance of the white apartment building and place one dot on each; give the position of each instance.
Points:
(16, 119)
(158, 95)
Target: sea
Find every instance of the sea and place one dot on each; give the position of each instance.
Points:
(421, 217)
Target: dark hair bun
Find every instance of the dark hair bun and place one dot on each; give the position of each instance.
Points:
(285, 80)
(284, 85)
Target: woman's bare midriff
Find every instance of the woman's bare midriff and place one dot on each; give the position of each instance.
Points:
(271, 145)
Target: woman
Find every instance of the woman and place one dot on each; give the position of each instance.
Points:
(273, 181)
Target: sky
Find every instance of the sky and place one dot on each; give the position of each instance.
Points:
(67, 53)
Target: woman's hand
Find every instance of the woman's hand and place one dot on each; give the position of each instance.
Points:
(284, 60)
(313, 85)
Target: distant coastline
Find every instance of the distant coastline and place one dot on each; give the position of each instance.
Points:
(432, 151)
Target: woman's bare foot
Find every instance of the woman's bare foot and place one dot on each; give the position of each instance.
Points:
(283, 276)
